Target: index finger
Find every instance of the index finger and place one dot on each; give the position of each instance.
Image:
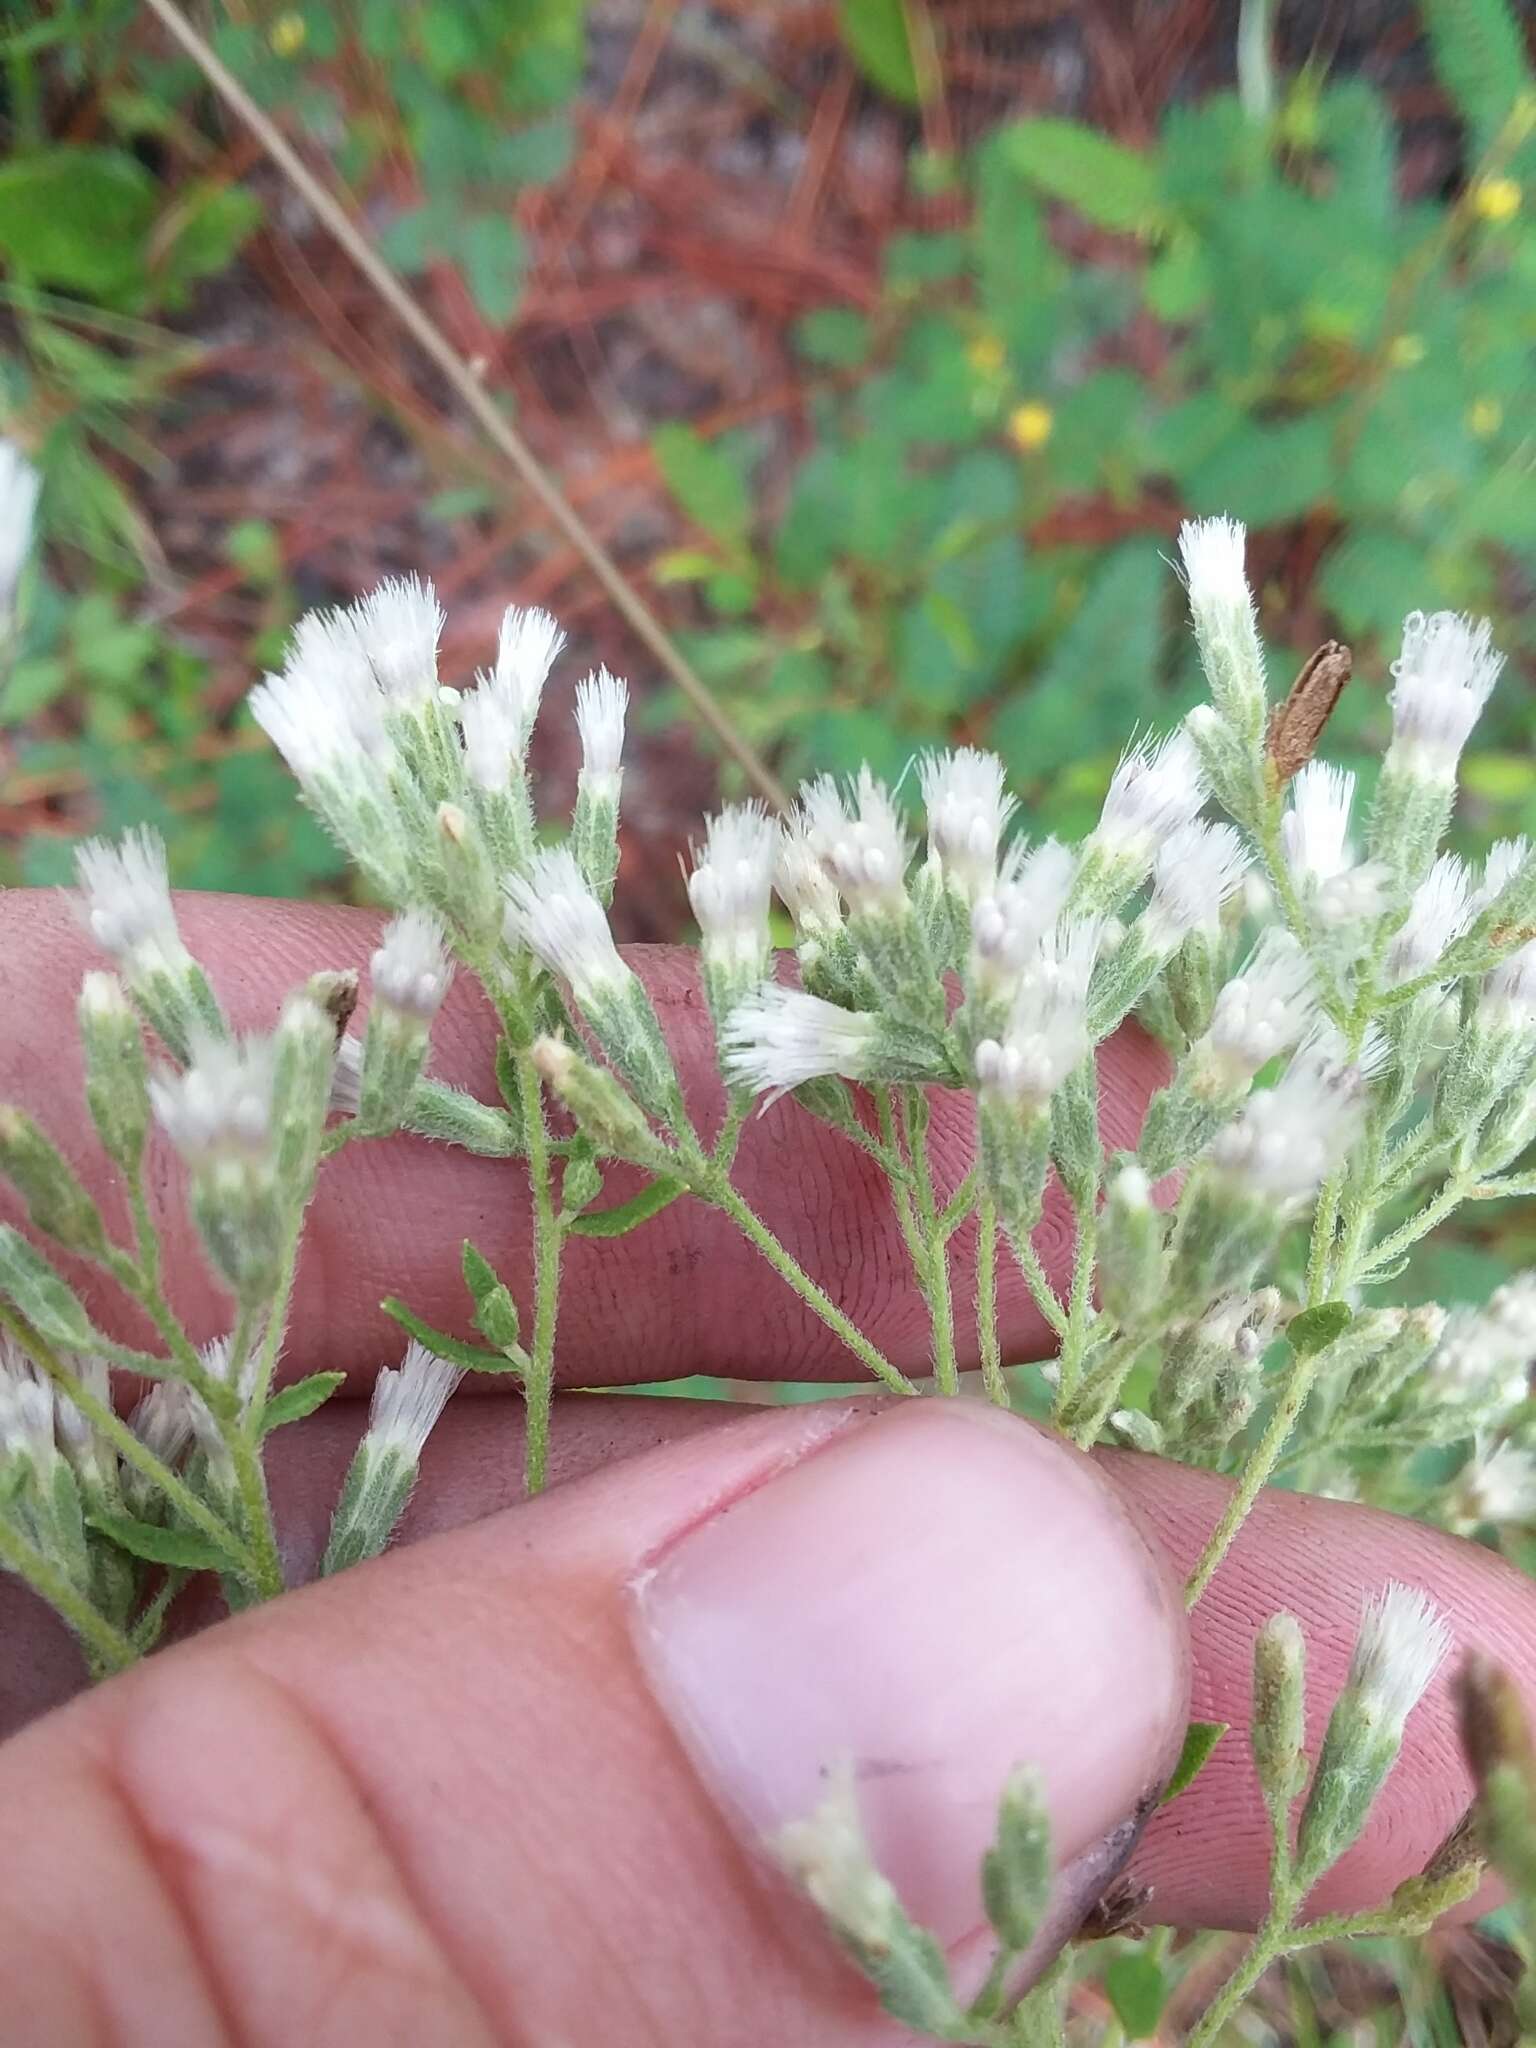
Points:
(684, 1293)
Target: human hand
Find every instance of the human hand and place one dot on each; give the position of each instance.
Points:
(512, 1783)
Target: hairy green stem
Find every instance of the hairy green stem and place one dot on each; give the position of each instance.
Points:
(716, 1189)
(1256, 1473)
(986, 1305)
(539, 1376)
(941, 1307)
(107, 1648)
(1269, 1944)
(1455, 1191)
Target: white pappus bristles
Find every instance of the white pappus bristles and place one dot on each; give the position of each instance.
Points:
(968, 809)
(1155, 789)
(76, 1434)
(1194, 871)
(222, 1103)
(494, 736)
(162, 1421)
(1499, 1488)
(19, 488)
(731, 884)
(407, 1401)
(411, 969)
(803, 885)
(1047, 1035)
(1439, 912)
(1505, 859)
(1402, 1643)
(1508, 999)
(552, 911)
(780, 1037)
(1292, 1136)
(1315, 835)
(601, 702)
(527, 647)
(1486, 1354)
(398, 626)
(128, 908)
(1009, 925)
(1444, 677)
(1264, 1010)
(865, 850)
(1212, 552)
(26, 1408)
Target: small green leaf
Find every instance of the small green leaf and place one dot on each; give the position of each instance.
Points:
(188, 1548)
(880, 44)
(626, 1216)
(495, 1310)
(292, 1404)
(1136, 1991)
(704, 481)
(1316, 1327)
(1200, 1738)
(1109, 184)
(78, 217)
(441, 1345)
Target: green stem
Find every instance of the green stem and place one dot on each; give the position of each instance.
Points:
(1268, 1945)
(539, 1376)
(1074, 1341)
(1039, 1286)
(986, 1305)
(1455, 1191)
(1256, 1474)
(1104, 1389)
(719, 1191)
(941, 1307)
(109, 1650)
(1323, 1226)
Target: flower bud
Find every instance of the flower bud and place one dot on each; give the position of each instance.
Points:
(116, 1070)
(1279, 1715)
(56, 1200)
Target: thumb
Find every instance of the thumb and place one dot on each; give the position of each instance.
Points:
(515, 1783)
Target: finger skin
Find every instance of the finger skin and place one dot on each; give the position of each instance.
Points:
(685, 1293)
(1205, 1854)
(444, 1798)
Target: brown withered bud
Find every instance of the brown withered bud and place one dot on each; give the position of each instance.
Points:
(1297, 725)
(1461, 1846)
(1494, 1729)
(336, 994)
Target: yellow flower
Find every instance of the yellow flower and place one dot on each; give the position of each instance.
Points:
(287, 34)
(1405, 351)
(1030, 425)
(986, 354)
(1485, 416)
(1496, 199)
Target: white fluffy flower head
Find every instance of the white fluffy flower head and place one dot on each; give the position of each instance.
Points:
(802, 883)
(526, 651)
(865, 849)
(968, 809)
(1439, 912)
(1290, 1137)
(781, 1037)
(398, 627)
(1194, 871)
(1499, 1488)
(1009, 926)
(407, 1401)
(1445, 675)
(411, 969)
(1402, 1643)
(494, 737)
(601, 703)
(731, 884)
(26, 1408)
(1264, 1010)
(1047, 1035)
(221, 1106)
(1505, 860)
(1156, 788)
(1508, 999)
(128, 908)
(552, 911)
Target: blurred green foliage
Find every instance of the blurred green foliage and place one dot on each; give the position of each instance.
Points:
(1257, 324)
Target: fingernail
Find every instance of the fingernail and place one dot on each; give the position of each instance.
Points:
(934, 1598)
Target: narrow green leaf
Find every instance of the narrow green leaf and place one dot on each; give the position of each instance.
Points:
(1315, 1327)
(441, 1345)
(1200, 1738)
(880, 43)
(1480, 55)
(293, 1403)
(188, 1548)
(495, 1310)
(626, 1216)
(1136, 1991)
